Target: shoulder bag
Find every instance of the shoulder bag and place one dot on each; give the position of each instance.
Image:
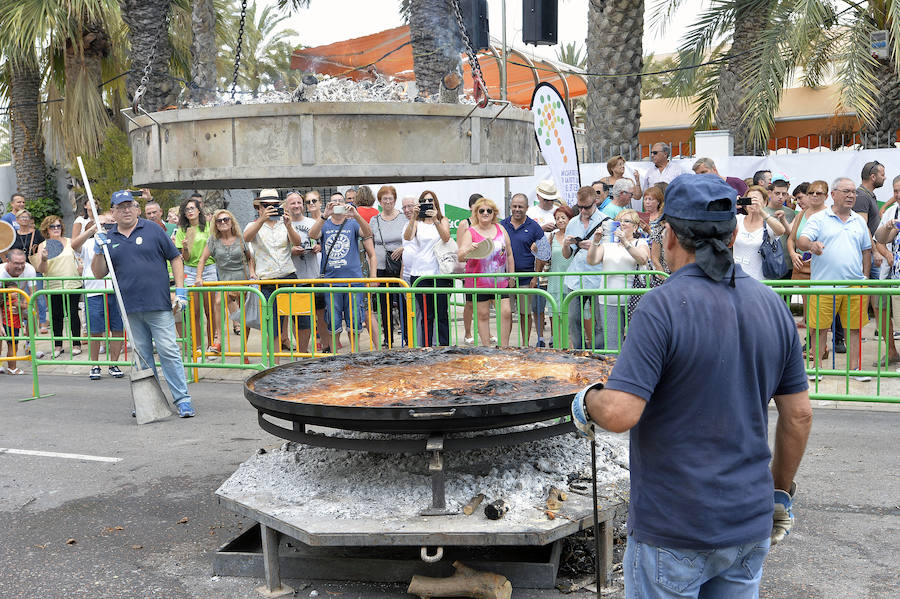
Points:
(392, 267)
(772, 253)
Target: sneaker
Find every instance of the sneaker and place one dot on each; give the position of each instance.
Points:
(58, 352)
(816, 378)
(115, 372)
(541, 343)
(76, 351)
(185, 409)
(95, 373)
(862, 378)
(469, 340)
(840, 347)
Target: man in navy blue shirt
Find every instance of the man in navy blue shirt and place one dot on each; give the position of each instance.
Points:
(704, 354)
(523, 232)
(139, 250)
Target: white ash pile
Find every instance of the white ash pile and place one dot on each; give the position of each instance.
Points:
(324, 88)
(360, 485)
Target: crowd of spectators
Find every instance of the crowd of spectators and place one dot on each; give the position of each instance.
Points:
(829, 232)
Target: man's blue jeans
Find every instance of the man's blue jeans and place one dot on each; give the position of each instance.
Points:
(668, 573)
(158, 327)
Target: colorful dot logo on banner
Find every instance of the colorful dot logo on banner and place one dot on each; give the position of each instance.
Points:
(550, 121)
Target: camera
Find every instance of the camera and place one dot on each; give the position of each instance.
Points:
(745, 201)
(279, 209)
(340, 209)
(424, 207)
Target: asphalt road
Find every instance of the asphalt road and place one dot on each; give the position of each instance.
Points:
(147, 526)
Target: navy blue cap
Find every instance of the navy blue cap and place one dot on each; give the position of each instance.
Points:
(688, 197)
(123, 195)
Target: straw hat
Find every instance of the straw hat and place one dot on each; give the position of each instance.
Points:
(267, 195)
(547, 190)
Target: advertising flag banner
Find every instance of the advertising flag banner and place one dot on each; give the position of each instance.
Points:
(555, 137)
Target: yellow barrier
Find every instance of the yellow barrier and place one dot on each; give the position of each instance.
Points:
(14, 305)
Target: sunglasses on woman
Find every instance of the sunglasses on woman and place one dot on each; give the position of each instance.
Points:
(55, 227)
(485, 211)
(224, 219)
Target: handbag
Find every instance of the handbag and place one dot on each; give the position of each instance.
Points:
(392, 267)
(772, 252)
(446, 254)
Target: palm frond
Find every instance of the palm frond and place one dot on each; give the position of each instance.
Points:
(856, 74)
(767, 73)
(818, 60)
(293, 4)
(893, 25)
(706, 100)
(661, 13)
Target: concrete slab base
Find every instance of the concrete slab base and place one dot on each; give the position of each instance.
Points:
(282, 591)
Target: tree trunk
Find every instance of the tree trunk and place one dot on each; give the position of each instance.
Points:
(436, 45)
(26, 140)
(203, 51)
(732, 93)
(882, 132)
(144, 18)
(615, 30)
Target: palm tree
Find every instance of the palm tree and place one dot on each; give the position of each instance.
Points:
(76, 40)
(265, 51)
(571, 54)
(772, 40)
(437, 46)
(203, 50)
(614, 43)
(147, 35)
(23, 77)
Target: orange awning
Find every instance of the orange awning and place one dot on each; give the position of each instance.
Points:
(390, 53)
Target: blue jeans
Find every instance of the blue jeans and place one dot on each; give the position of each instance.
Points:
(579, 309)
(158, 327)
(337, 310)
(668, 573)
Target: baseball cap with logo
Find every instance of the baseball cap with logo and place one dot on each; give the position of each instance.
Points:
(123, 195)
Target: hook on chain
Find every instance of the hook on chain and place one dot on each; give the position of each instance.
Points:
(145, 77)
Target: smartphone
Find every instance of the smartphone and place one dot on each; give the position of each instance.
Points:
(340, 209)
(424, 207)
(745, 201)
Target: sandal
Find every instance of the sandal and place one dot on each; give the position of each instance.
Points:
(215, 348)
(57, 352)
(76, 351)
(14, 371)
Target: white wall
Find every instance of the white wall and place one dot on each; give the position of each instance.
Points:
(7, 184)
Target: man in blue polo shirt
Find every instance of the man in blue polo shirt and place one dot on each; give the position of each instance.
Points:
(841, 247)
(704, 355)
(139, 250)
(523, 232)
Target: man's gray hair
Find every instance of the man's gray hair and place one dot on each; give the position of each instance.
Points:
(707, 162)
(623, 184)
(834, 183)
(666, 148)
(15, 252)
(519, 195)
(896, 180)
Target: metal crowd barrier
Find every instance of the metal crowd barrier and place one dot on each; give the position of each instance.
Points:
(278, 319)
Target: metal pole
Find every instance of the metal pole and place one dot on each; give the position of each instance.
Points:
(596, 517)
(503, 93)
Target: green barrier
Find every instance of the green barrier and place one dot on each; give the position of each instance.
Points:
(558, 317)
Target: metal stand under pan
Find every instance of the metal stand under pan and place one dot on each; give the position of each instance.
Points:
(288, 543)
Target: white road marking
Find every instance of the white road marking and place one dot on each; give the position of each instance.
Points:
(53, 454)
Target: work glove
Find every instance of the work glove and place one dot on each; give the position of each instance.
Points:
(181, 298)
(100, 240)
(783, 519)
(583, 425)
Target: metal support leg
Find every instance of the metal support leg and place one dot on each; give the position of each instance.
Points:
(436, 467)
(273, 586)
(606, 550)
